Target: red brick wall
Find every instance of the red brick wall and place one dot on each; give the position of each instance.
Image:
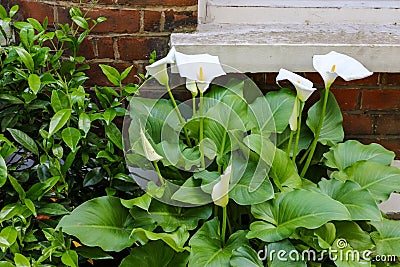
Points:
(370, 107)
(133, 28)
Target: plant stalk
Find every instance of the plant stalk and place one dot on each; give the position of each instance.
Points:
(224, 218)
(317, 133)
(181, 119)
(155, 163)
(201, 133)
(296, 145)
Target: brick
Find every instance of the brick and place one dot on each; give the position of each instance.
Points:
(118, 21)
(158, 2)
(380, 99)
(105, 47)
(131, 48)
(347, 98)
(317, 80)
(174, 19)
(87, 49)
(152, 21)
(358, 124)
(63, 16)
(98, 78)
(36, 10)
(388, 124)
(390, 78)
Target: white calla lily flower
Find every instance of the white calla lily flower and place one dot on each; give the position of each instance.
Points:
(148, 149)
(334, 64)
(304, 87)
(220, 190)
(202, 68)
(191, 86)
(159, 68)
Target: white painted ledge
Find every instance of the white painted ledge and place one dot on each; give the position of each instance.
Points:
(267, 48)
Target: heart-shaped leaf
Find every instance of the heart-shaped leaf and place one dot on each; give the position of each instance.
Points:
(332, 129)
(290, 210)
(102, 222)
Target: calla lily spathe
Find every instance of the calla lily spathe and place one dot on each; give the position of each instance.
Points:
(159, 68)
(334, 64)
(148, 149)
(220, 190)
(201, 68)
(304, 87)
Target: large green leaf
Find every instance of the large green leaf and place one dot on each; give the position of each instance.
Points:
(176, 240)
(354, 235)
(59, 120)
(244, 191)
(3, 172)
(26, 58)
(59, 101)
(332, 129)
(155, 253)
(114, 134)
(358, 202)
(284, 171)
(290, 210)
(281, 104)
(71, 137)
(34, 83)
(346, 154)
(170, 217)
(306, 137)
(245, 256)
(190, 192)
(24, 140)
(102, 222)
(262, 145)
(285, 259)
(8, 236)
(207, 248)
(380, 180)
(387, 237)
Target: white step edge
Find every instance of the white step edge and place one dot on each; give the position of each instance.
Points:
(392, 205)
(287, 12)
(267, 48)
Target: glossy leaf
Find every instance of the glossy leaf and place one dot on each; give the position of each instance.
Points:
(207, 248)
(387, 238)
(112, 74)
(376, 178)
(70, 258)
(8, 236)
(284, 171)
(21, 261)
(84, 123)
(24, 140)
(145, 256)
(281, 104)
(26, 58)
(245, 256)
(109, 227)
(176, 240)
(59, 120)
(290, 210)
(346, 154)
(3, 172)
(71, 137)
(34, 83)
(332, 129)
(358, 202)
(59, 101)
(114, 134)
(169, 217)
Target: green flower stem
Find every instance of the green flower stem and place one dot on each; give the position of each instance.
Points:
(317, 133)
(289, 147)
(181, 119)
(304, 156)
(296, 145)
(194, 104)
(222, 151)
(201, 134)
(155, 163)
(224, 218)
